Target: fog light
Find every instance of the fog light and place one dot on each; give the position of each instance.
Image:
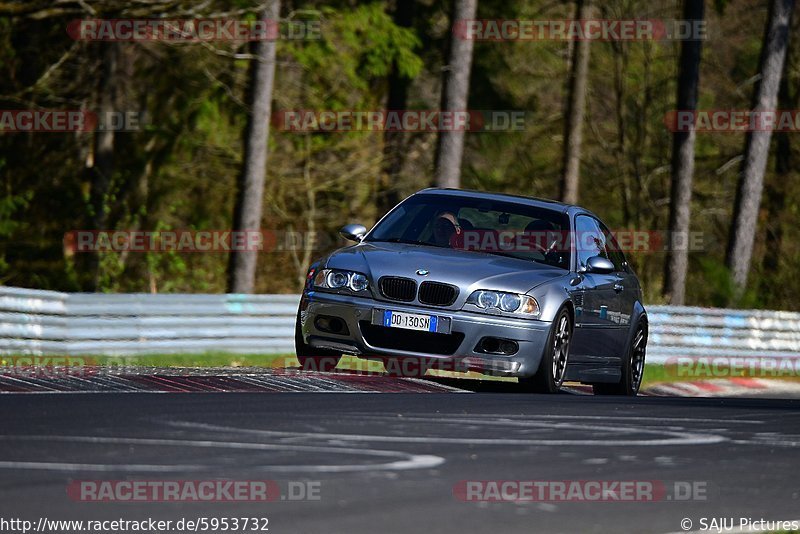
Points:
(494, 345)
(508, 347)
(332, 325)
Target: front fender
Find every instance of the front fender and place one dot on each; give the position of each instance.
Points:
(552, 296)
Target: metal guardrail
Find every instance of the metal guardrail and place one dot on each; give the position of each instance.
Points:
(47, 322)
(39, 322)
(677, 331)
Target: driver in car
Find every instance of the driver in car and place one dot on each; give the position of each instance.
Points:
(446, 230)
(544, 238)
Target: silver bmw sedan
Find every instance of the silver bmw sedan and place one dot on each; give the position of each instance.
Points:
(471, 281)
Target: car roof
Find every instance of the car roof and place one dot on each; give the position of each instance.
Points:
(520, 199)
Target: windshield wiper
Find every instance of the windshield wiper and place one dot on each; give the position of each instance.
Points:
(505, 254)
(407, 241)
(534, 260)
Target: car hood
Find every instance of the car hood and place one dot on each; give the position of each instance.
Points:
(469, 271)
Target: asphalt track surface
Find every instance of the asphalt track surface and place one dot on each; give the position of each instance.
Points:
(396, 462)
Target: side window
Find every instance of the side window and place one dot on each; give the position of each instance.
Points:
(614, 251)
(589, 239)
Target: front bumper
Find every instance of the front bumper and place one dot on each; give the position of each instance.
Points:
(456, 350)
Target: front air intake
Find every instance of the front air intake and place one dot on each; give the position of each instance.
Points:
(437, 294)
(396, 288)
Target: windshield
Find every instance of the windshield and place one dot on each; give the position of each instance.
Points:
(479, 225)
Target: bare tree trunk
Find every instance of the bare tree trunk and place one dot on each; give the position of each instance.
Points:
(683, 163)
(250, 194)
(775, 188)
(751, 181)
(621, 117)
(576, 105)
(388, 194)
(455, 90)
(101, 165)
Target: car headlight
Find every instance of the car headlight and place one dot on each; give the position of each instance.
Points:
(510, 302)
(498, 301)
(358, 282)
(336, 279)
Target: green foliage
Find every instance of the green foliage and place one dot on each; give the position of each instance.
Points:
(179, 171)
(371, 38)
(10, 222)
(720, 5)
(718, 288)
(9, 205)
(356, 47)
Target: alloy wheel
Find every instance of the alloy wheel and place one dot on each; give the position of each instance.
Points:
(561, 349)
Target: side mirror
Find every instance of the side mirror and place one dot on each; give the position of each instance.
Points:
(353, 232)
(599, 265)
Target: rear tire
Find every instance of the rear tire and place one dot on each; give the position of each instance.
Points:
(310, 358)
(553, 367)
(632, 368)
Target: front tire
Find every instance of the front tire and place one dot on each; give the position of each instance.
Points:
(312, 359)
(553, 367)
(632, 368)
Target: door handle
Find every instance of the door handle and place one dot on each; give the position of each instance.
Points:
(618, 287)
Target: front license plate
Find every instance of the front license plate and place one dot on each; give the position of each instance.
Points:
(410, 321)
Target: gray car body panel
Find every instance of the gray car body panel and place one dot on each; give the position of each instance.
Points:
(604, 317)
